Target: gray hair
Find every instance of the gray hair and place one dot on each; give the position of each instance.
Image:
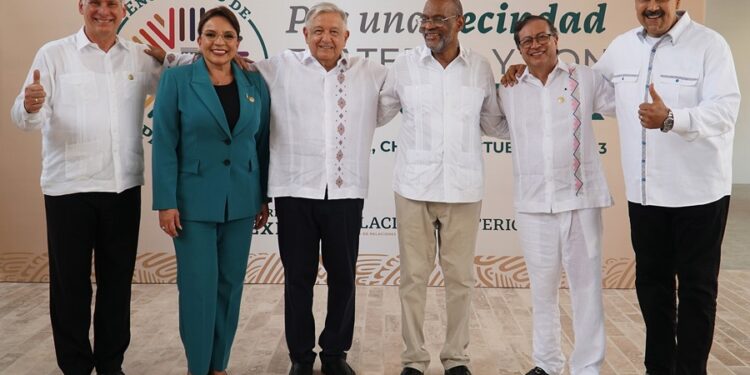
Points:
(321, 8)
(459, 7)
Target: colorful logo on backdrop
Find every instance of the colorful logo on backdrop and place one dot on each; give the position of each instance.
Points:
(175, 29)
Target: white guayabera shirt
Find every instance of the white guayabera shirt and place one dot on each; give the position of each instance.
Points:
(92, 118)
(322, 124)
(556, 165)
(693, 72)
(445, 113)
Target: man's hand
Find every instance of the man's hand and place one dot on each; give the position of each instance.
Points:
(512, 74)
(652, 115)
(33, 98)
(156, 52)
(262, 217)
(245, 63)
(169, 221)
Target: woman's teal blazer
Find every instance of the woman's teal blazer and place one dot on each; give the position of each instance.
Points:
(198, 165)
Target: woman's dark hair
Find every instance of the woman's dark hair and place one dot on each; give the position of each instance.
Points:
(525, 20)
(223, 12)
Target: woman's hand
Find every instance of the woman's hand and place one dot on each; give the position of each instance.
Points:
(262, 217)
(169, 221)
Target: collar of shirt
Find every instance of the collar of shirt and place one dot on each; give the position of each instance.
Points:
(675, 32)
(425, 54)
(83, 41)
(561, 68)
(307, 58)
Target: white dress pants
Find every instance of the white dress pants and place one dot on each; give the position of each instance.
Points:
(569, 240)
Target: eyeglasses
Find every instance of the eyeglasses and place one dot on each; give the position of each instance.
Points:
(435, 20)
(542, 39)
(228, 37)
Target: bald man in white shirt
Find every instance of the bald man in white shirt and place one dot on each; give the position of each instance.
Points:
(323, 115)
(86, 93)
(448, 97)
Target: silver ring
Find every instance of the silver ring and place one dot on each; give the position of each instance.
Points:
(36, 100)
(163, 228)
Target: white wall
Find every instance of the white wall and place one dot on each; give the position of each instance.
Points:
(728, 17)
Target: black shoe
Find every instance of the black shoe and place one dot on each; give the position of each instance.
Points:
(537, 371)
(411, 371)
(301, 368)
(458, 370)
(336, 366)
(118, 372)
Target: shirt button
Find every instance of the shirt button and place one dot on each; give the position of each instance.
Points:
(227, 162)
(227, 141)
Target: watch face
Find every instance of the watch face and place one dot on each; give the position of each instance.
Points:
(668, 122)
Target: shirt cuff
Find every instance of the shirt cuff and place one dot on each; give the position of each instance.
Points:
(172, 59)
(682, 124)
(31, 118)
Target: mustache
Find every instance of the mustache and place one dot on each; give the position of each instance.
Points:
(653, 13)
(424, 32)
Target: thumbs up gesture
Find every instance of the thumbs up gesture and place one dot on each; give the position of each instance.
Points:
(34, 94)
(652, 115)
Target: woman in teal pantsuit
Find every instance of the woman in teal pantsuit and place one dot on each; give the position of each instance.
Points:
(210, 167)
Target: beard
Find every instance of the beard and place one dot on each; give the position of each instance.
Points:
(439, 45)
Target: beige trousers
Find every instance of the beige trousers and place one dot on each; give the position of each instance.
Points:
(426, 229)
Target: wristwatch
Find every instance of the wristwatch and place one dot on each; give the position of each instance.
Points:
(668, 123)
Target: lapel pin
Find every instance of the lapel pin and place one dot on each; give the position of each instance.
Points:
(250, 98)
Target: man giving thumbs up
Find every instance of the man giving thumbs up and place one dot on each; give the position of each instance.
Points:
(34, 94)
(655, 115)
(86, 93)
(675, 75)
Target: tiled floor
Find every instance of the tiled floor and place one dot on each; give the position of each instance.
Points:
(736, 249)
(500, 325)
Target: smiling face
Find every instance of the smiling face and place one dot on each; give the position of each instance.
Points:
(101, 18)
(443, 37)
(657, 16)
(218, 41)
(539, 57)
(326, 37)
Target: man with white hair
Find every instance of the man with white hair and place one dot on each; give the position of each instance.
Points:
(323, 116)
(86, 93)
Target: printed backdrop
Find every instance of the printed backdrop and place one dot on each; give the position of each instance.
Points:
(380, 31)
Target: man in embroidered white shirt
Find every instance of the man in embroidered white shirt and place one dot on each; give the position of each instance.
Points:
(448, 97)
(324, 107)
(560, 191)
(677, 102)
(86, 93)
